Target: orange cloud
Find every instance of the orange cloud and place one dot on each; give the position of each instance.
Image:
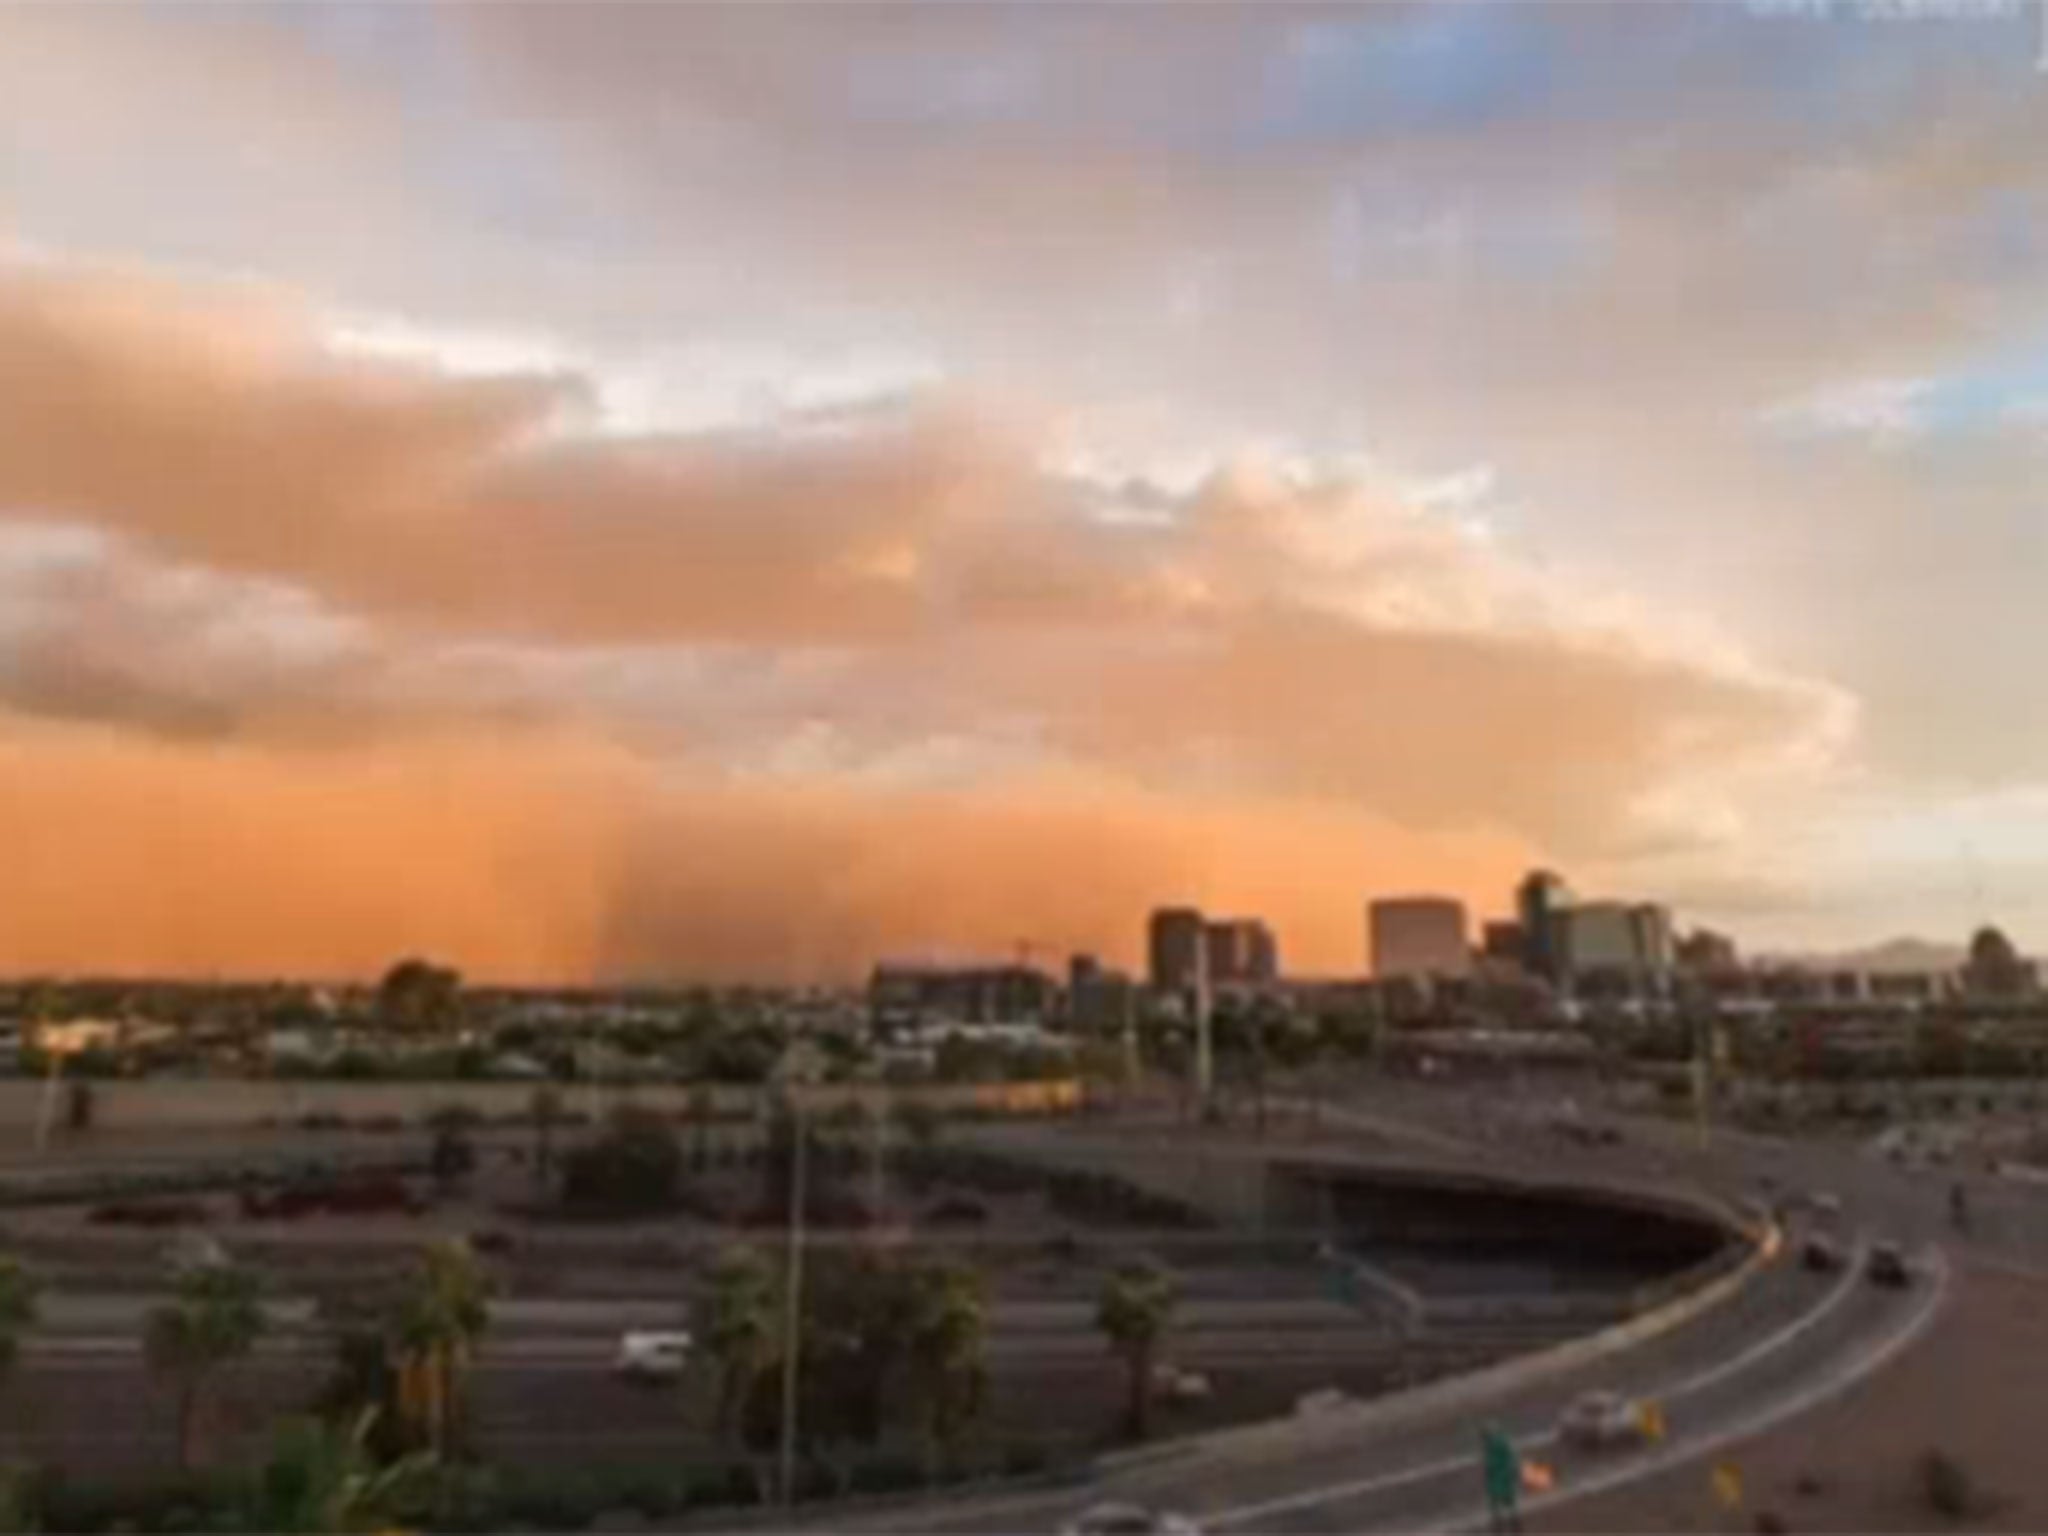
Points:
(766, 701)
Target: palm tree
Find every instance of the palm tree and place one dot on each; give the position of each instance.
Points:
(322, 1477)
(703, 1105)
(736, 1327)
(20, 1298)
(545, 1106)
(215, 1317)
(439, 1324)
(947, 1326)
(1136, 1306)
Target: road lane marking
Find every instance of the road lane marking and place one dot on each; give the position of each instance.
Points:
(1698, 1382)
(1811, 1396)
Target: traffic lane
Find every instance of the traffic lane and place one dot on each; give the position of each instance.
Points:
(1197, 1478)
(1777, 1312)
(1849, 1339)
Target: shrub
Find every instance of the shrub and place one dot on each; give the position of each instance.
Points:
(888, 1473)
(633, 1168)
(1025, 1460)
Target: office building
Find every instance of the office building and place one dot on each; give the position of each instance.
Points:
(1098, 999)
(1598, 936)
(1240, 951)
(1418, 936)
(1505, 942)
(1653, 936)
(1175, 950)
(1541, 901)
(1705, 950)
(901, 993)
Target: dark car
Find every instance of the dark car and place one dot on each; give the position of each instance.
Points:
(1887, 1266)
(1821, 1254)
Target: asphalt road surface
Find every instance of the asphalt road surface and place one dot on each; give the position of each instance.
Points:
(1785, 1342)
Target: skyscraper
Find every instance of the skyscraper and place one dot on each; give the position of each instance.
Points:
(1240, 949)
(1175, 949)
(1540, 902)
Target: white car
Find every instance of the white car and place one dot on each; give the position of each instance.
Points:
(1175, 1385)
(1599, 1420)
(653, 1356)
(1129, 1520)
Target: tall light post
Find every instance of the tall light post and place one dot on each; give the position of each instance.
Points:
(793, 1287)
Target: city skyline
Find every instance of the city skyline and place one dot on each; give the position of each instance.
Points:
(736, 493)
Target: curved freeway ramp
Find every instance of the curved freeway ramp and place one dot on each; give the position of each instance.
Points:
(1771, 1342)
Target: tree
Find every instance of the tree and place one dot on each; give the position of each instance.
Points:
(81, 1104)
(440, 1321)
(20, 1299)
(544, 1107)
(214, 1318)
(417, 996)
(452, 1156)
(324, 1477)
(1995, 969)
(703, 1104)
(736, 1320)
(948, 1326)
(1134, 1311)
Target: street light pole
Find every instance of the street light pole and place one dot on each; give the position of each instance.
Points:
(792, 1304)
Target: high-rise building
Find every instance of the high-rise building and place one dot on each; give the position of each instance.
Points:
(1177, 941)
(1240, 949)
(1652, 925)
(1418, 936)
(1541, 901)
(1598, 936)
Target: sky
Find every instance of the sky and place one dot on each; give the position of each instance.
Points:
(669, 491)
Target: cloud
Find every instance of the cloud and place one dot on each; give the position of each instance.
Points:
(1882, 410)
(1272, 629)
(666, 384)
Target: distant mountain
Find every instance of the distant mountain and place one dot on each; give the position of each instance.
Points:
(1894, 957)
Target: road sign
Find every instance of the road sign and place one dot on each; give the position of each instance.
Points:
(1650, 1419)
(1728, 1485)
(1503, 1469)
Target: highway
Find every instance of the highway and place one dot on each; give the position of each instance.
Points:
(544, 1392)
(1783, 1342)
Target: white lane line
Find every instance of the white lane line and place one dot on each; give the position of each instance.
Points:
(1698, 1382)
(1812, 1396)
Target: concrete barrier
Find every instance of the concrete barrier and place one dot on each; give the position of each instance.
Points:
(1451, 1392)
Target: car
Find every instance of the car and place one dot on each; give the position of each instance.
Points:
(1312, 1405)
(652, 1355)
(1887, 1266)
(1823, 1205)
(1821, 1254)
(1175, 1385)
(1599, 1421)
(1129, 1520)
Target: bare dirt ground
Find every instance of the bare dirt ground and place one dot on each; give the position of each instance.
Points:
(1972, 1388)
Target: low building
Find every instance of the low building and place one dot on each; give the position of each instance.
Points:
(910, 993)
(1418, 936)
